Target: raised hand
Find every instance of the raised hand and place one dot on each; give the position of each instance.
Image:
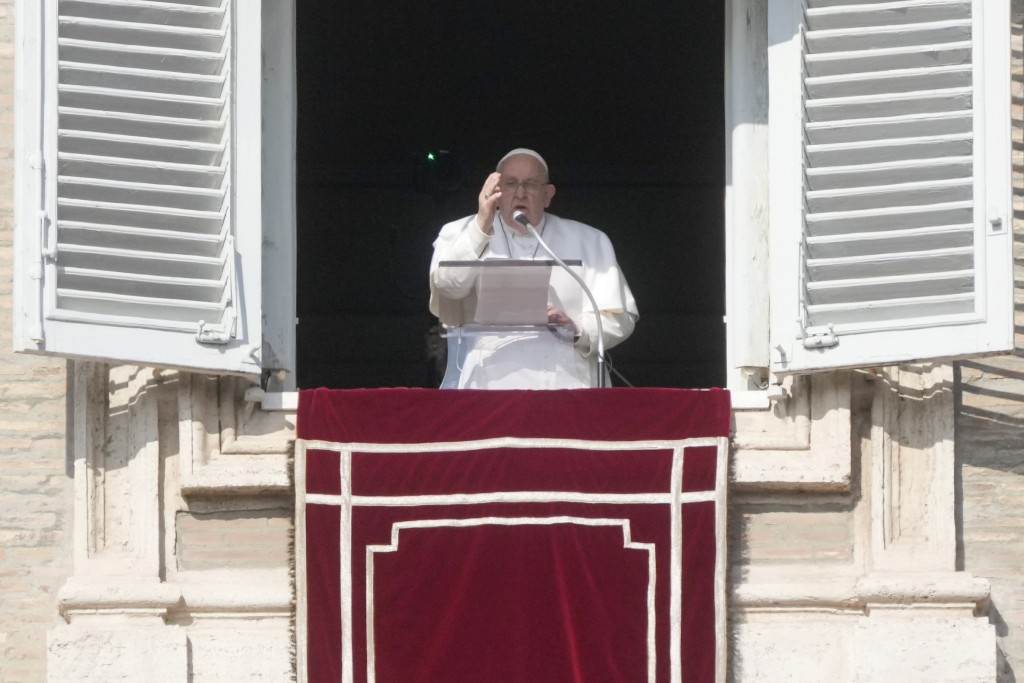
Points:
(490, 194)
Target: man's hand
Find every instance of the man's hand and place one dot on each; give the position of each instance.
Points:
(559, 321)
(490, 194)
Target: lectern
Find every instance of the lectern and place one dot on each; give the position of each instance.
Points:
(499, 336)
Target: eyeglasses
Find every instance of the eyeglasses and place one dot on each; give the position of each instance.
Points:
(529, 186)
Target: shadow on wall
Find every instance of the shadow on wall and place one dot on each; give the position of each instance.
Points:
(989, 436)
(991, 393)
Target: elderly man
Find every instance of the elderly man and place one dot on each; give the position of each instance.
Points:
(522, 361)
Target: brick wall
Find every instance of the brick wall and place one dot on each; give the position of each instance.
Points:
(35, 486)
(990, 440)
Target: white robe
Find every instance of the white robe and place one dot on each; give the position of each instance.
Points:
(532, 360)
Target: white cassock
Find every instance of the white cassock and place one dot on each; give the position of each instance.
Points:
(532, 360)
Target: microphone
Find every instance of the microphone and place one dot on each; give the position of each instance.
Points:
(520, 217)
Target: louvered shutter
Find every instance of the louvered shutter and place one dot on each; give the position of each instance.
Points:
(890, 155)
(140, 227)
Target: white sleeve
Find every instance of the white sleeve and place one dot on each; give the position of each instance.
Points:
(468, 244)
(616, 327)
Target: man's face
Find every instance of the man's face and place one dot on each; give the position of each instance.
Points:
(524, 187)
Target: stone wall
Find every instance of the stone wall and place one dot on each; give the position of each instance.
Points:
(810, 539)
(990, 438)
(35, 481)
(183, 522)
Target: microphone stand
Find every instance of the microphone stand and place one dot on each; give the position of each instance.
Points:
(520, 217)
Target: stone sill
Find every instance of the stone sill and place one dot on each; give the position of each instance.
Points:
(807, 589)
(786, 444)
(288, 401)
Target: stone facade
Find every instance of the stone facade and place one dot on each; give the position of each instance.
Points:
(990, 439)
(858, 583)
(183, 522)
(145, 515)
(35, 479)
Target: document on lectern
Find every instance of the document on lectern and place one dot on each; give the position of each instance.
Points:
(511, 291)
(513, 294)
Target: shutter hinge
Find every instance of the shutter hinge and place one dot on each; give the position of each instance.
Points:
(37, 271)
(820, 338)
(48, 238)
(215, 334)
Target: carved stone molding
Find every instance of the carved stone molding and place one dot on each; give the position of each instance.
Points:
(912, 470)
(117, 466)
(142, 437)
(810, 589)
(803, 623)
(229, 445)
(898, 610)
(802, 443)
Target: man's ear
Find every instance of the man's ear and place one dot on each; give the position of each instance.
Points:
(549, 192)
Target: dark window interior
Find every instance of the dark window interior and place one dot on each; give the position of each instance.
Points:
(624, 100)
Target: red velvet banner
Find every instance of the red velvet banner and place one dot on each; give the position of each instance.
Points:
(511, 535)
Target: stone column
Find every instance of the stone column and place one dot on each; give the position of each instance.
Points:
(923, 620)
(116, 603)
(183, 512)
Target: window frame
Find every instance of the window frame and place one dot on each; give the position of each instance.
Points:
(269, 112)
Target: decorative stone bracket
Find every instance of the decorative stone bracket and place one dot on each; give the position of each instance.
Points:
(802, 443)
(229, 445)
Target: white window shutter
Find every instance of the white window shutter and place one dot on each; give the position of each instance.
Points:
(890, 218)
(139, 215)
